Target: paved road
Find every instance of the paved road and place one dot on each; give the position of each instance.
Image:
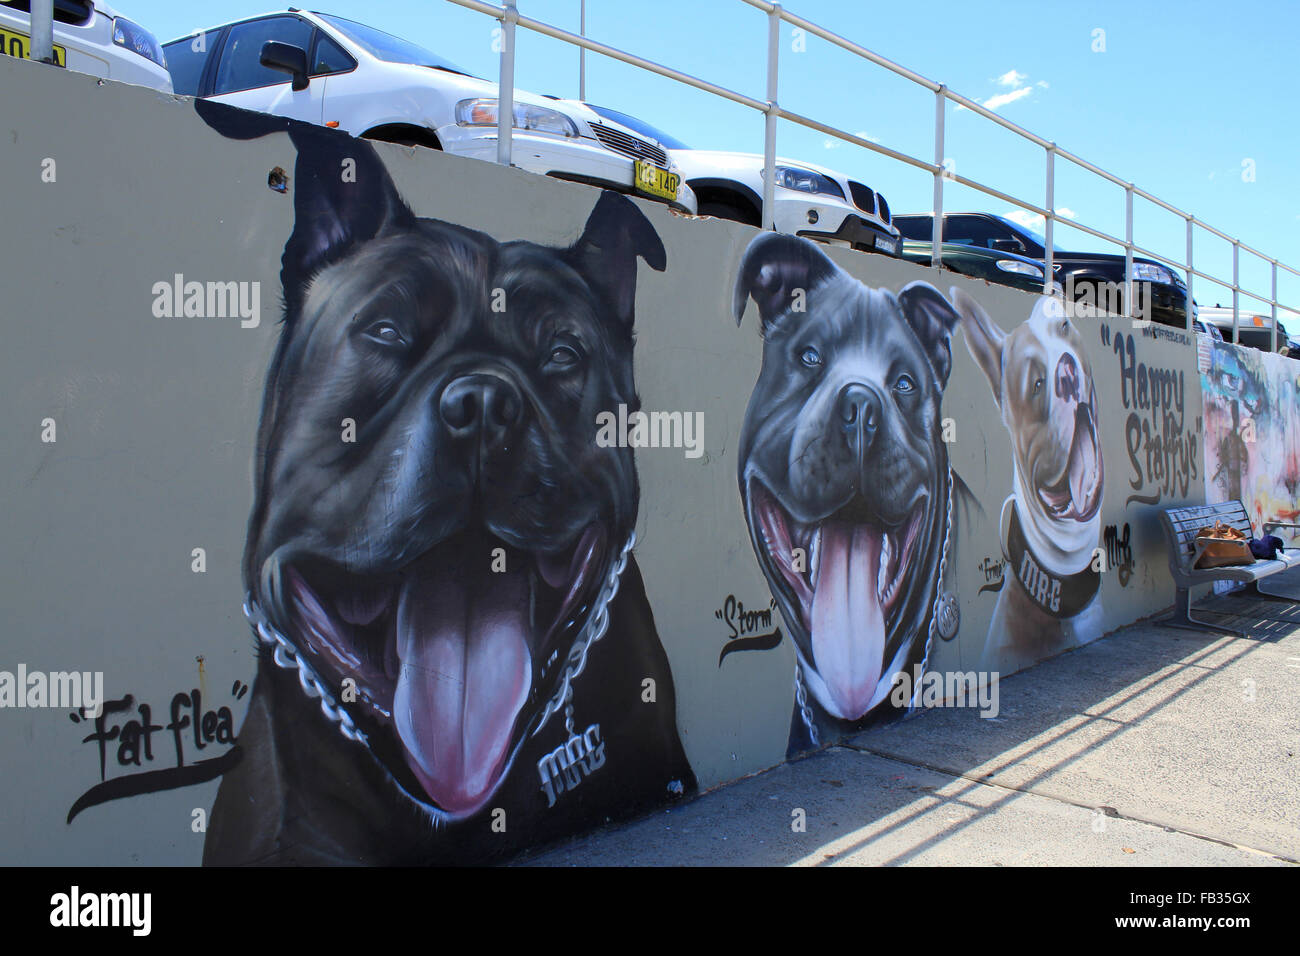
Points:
(1148, 747)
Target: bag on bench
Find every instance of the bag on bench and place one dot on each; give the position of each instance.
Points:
(1223, 546)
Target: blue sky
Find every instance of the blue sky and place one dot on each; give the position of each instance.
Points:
(1190, 100)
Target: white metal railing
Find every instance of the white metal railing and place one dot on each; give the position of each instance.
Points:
(511, 18)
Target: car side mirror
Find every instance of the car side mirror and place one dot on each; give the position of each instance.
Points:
(1008, 245)
(286, 58)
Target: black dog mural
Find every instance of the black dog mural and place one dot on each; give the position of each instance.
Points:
(849, 498)
(455, 642)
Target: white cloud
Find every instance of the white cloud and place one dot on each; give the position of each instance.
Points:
(1011, 78)
(1066, 213)
(1041, 84)
(1002, 99)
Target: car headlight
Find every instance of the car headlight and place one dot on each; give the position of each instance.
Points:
(137, 39)
(1019, 268)
(1149, 272)
(538, 119)
(806, 181)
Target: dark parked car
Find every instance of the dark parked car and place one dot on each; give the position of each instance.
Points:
(992, 265)
(1097, 276)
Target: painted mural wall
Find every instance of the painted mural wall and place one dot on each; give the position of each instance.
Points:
(1252, 433)
(412, 509)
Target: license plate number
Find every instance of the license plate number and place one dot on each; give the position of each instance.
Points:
(650, 179)
(13, 43)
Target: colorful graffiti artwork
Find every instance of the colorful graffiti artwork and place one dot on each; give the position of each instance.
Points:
(457, 654)
(851, 504)
(1051, 524)
(1252, 433)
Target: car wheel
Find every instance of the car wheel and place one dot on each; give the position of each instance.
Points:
(722, 210)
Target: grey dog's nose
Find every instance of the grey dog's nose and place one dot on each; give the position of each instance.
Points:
(480, 404)
(859, 408)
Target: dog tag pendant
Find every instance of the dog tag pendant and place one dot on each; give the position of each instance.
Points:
(947, 616)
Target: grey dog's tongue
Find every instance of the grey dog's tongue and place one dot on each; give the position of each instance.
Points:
(848, 620)
(466, 669)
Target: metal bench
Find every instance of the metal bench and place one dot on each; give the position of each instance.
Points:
(1181, 525)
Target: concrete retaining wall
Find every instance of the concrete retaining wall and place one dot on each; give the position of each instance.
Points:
(143, 505)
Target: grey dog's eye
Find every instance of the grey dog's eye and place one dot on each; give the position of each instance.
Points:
(905, 383)
(385, 332)
(1038, 385)
(811, 357)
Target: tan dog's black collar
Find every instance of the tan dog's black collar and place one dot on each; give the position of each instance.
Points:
(1061, 596)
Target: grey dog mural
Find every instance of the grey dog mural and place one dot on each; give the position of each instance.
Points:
(1051, 524)
(454, 637)
(851, 504)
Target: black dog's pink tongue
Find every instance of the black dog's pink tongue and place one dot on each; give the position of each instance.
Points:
(848, 619)
(466, 669)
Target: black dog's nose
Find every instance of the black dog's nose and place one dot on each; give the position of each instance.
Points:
(481, 404)
(859, 408)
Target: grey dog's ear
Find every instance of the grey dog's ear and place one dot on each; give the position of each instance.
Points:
(616, 235)
(773, 269)
(983, 338)
(932, 318)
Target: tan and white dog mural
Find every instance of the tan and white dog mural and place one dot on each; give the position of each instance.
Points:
(1051, 524)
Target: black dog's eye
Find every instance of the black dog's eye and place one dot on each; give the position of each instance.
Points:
(385, 332)
(905, 384)
(1038, 385)
(811, 357)
(564, 355)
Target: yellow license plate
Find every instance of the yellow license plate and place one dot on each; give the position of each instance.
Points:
(13, 43)
(650, 179)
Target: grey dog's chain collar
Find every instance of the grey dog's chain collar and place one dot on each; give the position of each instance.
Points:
(288, 657)
(801, 691)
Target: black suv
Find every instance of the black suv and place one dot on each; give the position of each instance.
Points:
(1094, 276)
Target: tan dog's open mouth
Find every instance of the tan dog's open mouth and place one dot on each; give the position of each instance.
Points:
(1076, 494)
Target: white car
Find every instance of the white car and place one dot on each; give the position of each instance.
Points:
(335, 72)
(810, 200)
(89, 37)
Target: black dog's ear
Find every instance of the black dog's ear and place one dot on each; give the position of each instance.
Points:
(932, 318)
(342, 194)
(983, 338)
(616, 234)
(774, 268)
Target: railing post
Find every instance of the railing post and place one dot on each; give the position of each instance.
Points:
(582, 51)
(506, 88)
(769, 118)
(1190, 277)
(1274, 301)
(42, 31)
(1051, 218)
(1128, 251)
(936, 232)
(1236, 320)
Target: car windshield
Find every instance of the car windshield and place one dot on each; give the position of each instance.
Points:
(1032, 233)
(645, 129)
(387, 47)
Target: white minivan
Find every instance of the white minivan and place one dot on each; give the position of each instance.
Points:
(336, 72)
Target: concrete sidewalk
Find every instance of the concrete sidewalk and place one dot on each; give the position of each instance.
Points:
(1149, 747)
